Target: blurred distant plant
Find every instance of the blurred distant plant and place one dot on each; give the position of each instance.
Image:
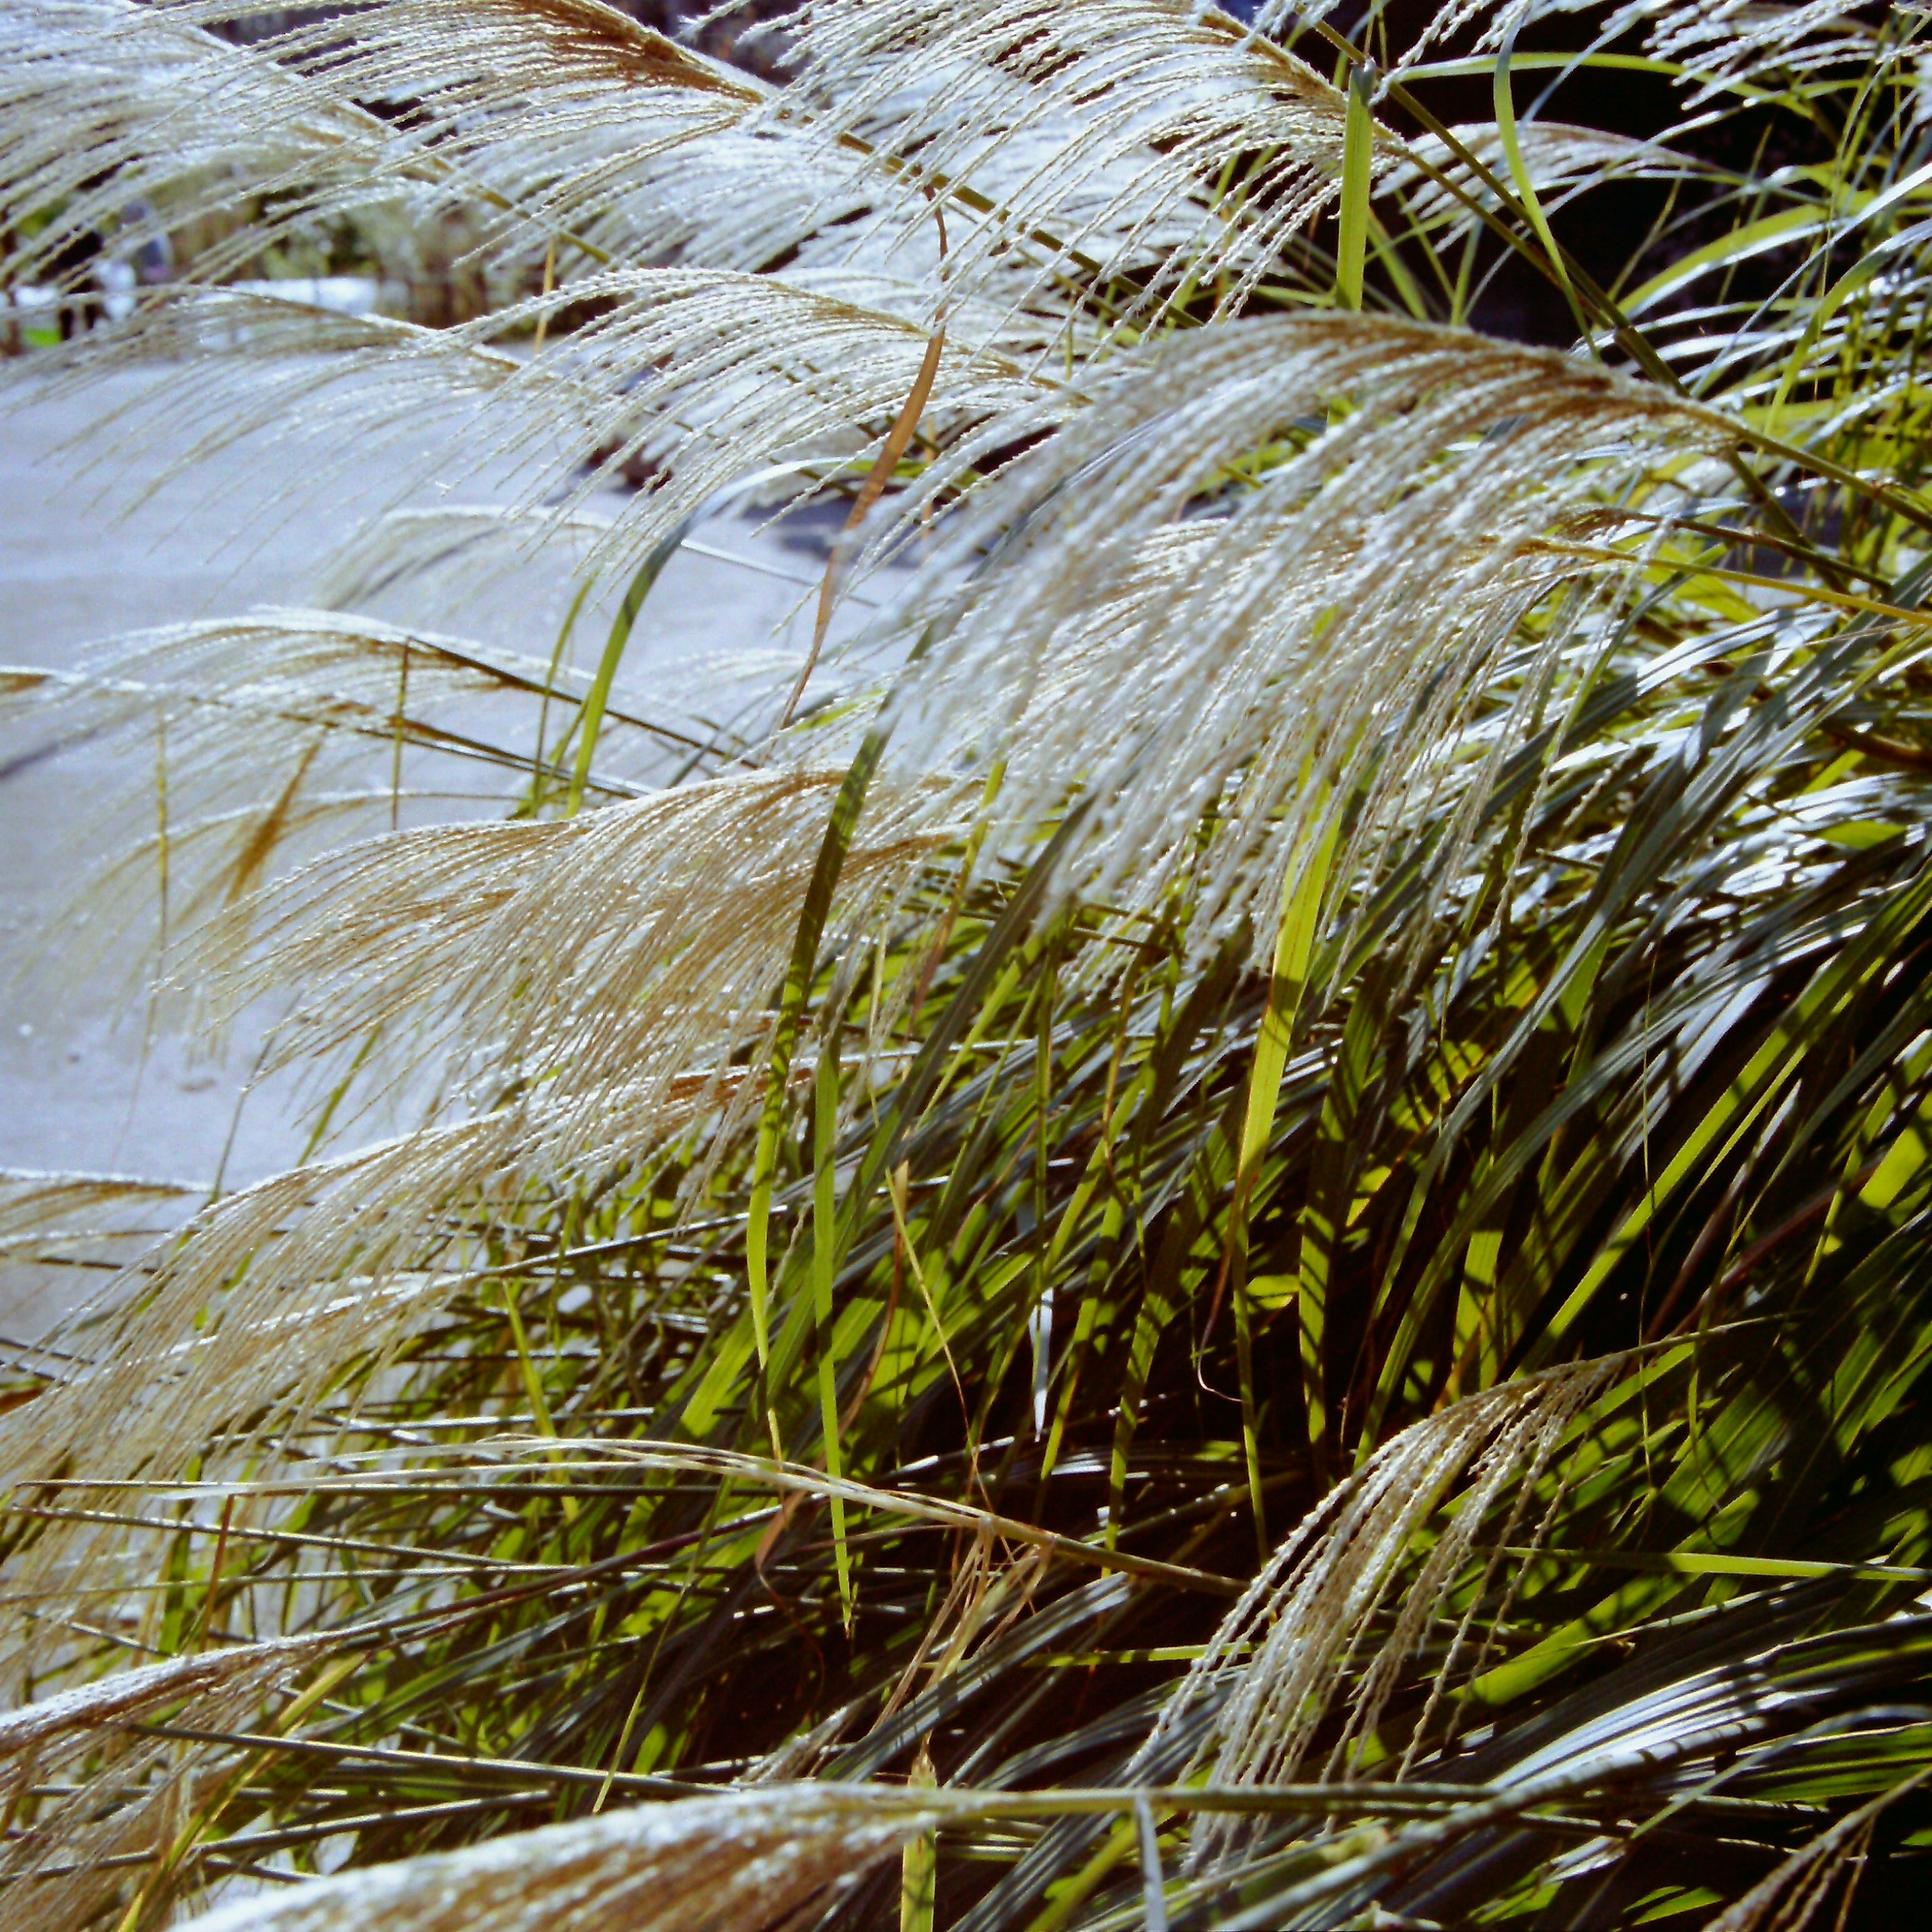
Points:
(1225, 1227)
(428, 265)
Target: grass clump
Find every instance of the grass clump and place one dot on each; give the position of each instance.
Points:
(1221, 1224)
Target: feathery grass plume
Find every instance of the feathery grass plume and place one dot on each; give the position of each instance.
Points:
(54, 1208)
(533, 108)
(26, 1736)
(108, 103)
(1311, 999)
(829, 359)
(141, 1784)
(745, 1861)
(157, 1366)
(1725, 41)
(1104, 140)
(453, 560)
(1559, 159)
(256, 737)
(614, 1018)
(63, 1236)
(705, 415)
(1284, 1646)
(432, 552)
(1335, 620)
(457, 936)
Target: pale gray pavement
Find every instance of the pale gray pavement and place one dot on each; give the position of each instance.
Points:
(80, 1087)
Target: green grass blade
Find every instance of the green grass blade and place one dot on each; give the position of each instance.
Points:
(590, 715)
(824, 1245)
(1524, 186)
(1294, 945)
(1357, 159)
(1771, 1067)
(812, 915)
